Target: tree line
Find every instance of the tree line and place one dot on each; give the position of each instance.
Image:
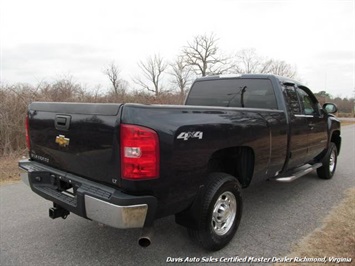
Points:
(346, 106)
(201, 56)
(15, 98)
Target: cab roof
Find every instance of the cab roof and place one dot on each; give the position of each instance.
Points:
(252, 76)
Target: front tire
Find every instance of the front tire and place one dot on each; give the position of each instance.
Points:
(221, 211)
(329, 163)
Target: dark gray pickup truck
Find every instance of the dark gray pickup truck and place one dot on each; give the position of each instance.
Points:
(125, 165)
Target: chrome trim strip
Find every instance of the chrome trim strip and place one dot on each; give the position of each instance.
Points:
(309, 116)
(132, 216)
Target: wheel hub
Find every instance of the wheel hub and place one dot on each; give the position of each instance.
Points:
(332, 159)
(224, 212)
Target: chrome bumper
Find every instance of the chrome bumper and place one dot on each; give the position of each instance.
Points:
(114, 215)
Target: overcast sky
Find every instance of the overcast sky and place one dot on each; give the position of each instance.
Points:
(46, 40)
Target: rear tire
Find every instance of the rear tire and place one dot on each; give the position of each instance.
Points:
(221, 211)
(329, 163)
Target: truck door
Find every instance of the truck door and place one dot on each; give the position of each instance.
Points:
(298, 129)
(316, 120)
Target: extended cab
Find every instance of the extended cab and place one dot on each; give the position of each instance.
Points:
(125, 165)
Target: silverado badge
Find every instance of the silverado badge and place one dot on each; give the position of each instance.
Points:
(62, 141)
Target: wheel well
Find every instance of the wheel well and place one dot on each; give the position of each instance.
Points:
(336, 139)
(236, 161)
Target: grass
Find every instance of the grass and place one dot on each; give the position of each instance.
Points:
(347, 123)
(9, 172)
(336, 238)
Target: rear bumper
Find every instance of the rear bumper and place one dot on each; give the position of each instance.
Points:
(89, 199)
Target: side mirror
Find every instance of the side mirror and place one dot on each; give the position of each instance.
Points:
(330, 108)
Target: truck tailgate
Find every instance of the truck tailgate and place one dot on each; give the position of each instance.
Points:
(78, 138)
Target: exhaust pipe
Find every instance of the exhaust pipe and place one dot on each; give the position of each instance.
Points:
(145, 239)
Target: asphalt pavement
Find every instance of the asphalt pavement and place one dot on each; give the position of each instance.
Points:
(276, 216)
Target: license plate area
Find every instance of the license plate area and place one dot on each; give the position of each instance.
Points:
(64, 185)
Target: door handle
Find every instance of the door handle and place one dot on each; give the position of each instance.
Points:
(62, 122)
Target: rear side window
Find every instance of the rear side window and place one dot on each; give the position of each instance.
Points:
(292, 100)
(248, 93)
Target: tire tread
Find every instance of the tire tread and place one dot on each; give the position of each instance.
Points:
(323, 171)
(200, 236)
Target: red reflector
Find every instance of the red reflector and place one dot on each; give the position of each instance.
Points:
(27, 127)
(139, 152)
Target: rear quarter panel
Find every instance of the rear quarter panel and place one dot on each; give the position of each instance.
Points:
(184, 163)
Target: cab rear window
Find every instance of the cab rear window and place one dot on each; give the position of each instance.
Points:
(248, 93)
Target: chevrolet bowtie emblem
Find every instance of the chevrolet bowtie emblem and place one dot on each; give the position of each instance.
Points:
(62, 141)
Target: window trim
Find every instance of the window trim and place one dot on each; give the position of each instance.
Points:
(302, 115)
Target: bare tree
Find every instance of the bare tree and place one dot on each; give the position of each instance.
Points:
(113, 73)
(248, 61)
(278, 67)
(204, 56)
(182, 74)
(152, 70)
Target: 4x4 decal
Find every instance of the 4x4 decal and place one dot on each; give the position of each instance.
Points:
(190, 135)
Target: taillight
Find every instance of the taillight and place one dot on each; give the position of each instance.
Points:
(27, 126)
(139, 152)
